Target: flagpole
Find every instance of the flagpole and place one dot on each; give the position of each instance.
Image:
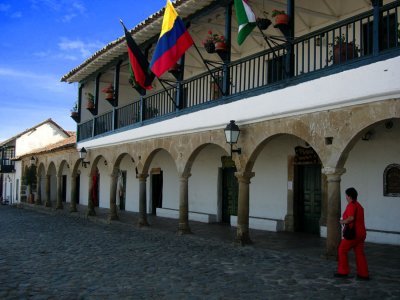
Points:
(269, 44)
(165, 89)
(209, 71)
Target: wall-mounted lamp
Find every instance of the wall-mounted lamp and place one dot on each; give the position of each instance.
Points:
(367, 136)
(82, 156)
(33, 161)
(232, 132)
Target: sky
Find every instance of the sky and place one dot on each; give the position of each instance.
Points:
(41, 41)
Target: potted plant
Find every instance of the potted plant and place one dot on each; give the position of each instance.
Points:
(220, 44)
(214, 42)
(281, 18)
(341, 50)
(109, 91)
(263, 23)
(74, 111)
(90, 101)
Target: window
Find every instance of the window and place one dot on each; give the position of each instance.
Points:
(391, 181)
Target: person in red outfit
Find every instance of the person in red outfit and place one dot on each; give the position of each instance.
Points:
(354, 216)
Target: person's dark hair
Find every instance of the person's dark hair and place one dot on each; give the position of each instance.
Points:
(352, 193)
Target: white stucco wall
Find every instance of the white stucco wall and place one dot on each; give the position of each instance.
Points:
(170, 197)
(132, 185)
(203, 184)
(364, 171)
(84, 186)
(17, 178)
(269, 186)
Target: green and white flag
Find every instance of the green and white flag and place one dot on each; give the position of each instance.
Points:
(246, 19)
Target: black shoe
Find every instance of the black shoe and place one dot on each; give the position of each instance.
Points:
(366, 278)
(340, 275)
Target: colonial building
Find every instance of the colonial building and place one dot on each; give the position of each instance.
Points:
(52, 185)
(316, 101)
(12, 188)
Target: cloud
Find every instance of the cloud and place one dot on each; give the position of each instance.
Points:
(33, 81)
(68, 18)
(84, 49)
(4, 7)
(71, 9)
(16, 15)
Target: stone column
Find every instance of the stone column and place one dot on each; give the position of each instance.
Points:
(333, 210)
(242, 233)
(48, 200)
(73, 194)
(38, 201)
(113, 196)
(59, 193)
(183, 227)
(90, 208)
(142, 200)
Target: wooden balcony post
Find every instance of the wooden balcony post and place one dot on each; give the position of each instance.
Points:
(377, 4)
(290, 48)
(227, 55)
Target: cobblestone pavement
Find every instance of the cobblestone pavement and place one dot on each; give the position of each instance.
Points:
(67, 256)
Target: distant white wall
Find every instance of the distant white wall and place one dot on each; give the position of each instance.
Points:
(39, 137)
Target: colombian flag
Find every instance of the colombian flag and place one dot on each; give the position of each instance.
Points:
(173, 42)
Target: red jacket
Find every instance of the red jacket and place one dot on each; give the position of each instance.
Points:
(355, 207)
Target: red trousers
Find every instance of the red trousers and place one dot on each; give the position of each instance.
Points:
(361, 262)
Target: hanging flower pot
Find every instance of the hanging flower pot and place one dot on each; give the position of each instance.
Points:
(281, 18)
(214, 42)
(90, 101)
(109, 91)
(220, 46)
(263, 23)
(210, 47)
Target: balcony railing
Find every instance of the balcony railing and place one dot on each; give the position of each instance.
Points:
(330, 47)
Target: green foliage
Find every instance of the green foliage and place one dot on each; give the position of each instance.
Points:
(29, 177)
(277, 12)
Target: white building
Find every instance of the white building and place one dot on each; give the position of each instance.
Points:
(312, 123)
(38, 136)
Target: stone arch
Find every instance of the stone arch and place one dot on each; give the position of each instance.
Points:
(148, 160)
(283, 164)
(258, 148)
(361, 132)
(63, 164)
(126, 186)
(193, 155)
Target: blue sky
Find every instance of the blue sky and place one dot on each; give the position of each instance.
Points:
(42, 40)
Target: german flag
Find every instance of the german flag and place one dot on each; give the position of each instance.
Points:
(139, 64)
